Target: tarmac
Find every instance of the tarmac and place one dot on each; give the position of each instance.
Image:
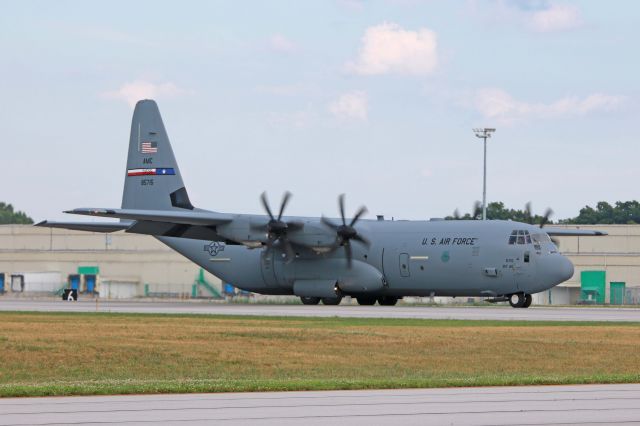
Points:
(526, 405)
(498, 313)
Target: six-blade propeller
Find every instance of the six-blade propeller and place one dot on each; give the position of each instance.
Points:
(277, 229)
(347, 232)
(530, 218)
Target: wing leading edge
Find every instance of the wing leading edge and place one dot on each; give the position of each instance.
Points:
(558, 232)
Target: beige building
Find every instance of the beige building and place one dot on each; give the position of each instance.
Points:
(129, 264)
(138, 265)
(618, 254)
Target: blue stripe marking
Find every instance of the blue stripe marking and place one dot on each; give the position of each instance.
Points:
(165, 171)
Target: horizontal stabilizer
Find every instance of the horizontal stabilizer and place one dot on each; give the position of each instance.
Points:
(86, 226)
(561, 232)
(187, 217)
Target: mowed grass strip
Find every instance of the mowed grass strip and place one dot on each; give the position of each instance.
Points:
(74, 354)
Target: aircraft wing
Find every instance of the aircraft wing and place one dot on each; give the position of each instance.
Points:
(86, 226)
(562, 232)
(196, 218)
(191, 224)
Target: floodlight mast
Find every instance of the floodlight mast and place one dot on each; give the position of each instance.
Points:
(484, 133)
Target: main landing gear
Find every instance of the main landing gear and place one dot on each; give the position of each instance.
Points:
(382, 300)
(362, 300)
(325, 300)
(520, 300)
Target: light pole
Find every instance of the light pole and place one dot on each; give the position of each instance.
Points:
(484, 133)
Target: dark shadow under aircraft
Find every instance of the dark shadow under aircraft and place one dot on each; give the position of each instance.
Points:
(321, 259)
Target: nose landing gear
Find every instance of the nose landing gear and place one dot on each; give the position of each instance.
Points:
(520, 300)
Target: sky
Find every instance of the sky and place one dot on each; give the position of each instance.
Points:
(375, 99)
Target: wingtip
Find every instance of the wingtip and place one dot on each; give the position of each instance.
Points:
(41, 223)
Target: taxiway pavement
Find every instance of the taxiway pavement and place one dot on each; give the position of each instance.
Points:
(527, 405)
(501, 313)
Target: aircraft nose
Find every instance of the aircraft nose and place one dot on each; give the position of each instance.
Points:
(566, 269)
(560, 269)
(556, 269)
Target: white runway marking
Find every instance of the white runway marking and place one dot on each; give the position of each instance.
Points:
(530, 405)
(502, 313)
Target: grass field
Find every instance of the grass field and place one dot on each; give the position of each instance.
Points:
(90, 353)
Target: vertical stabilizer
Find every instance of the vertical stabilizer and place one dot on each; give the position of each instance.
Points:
(152, 180)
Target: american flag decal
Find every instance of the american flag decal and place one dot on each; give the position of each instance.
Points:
(148, 147)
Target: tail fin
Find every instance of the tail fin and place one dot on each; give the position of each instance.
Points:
(152, 180)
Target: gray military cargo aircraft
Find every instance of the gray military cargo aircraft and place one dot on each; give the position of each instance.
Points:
(320, 259)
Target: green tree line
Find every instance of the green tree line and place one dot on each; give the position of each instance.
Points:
(9, 216)
(622, 212)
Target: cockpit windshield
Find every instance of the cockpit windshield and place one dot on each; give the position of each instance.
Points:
(520, 236)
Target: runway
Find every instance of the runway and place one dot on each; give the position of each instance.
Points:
(499, 313)
(531, 405)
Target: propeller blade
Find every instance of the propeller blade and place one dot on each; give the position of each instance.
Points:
(295, 226)
(330, 224)
(477, 209)
(456, 214)
(545, 218)
(527, 213)
(363, 210)
(348, 253)
(341, 206)
(288, 250)
(259, 228)
(362, 240)
(285, 201)
(265, 204)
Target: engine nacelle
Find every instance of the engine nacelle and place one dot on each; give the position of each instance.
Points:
(318, 278)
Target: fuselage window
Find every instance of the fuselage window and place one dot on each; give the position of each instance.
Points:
(526, 257)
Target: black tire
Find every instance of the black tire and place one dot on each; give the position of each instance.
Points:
(387, 300)
(331, 300)
(309, 300)
(527, 300)
(517, 300)
(366, 300)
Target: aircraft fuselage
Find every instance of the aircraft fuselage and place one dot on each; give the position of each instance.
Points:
(405, 258)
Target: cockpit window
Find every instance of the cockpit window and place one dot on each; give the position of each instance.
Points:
(520, 236)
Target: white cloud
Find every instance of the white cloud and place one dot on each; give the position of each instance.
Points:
(388, 48)
(543, 16)
(555, 18)
(136, 90)
(350, 106)
(280, 43)
(497, 104)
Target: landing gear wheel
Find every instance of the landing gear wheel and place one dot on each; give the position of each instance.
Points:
(366, 300)
(331, 300)
(517, 300)
(387, 300)
(527, 300)
(310, 300)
